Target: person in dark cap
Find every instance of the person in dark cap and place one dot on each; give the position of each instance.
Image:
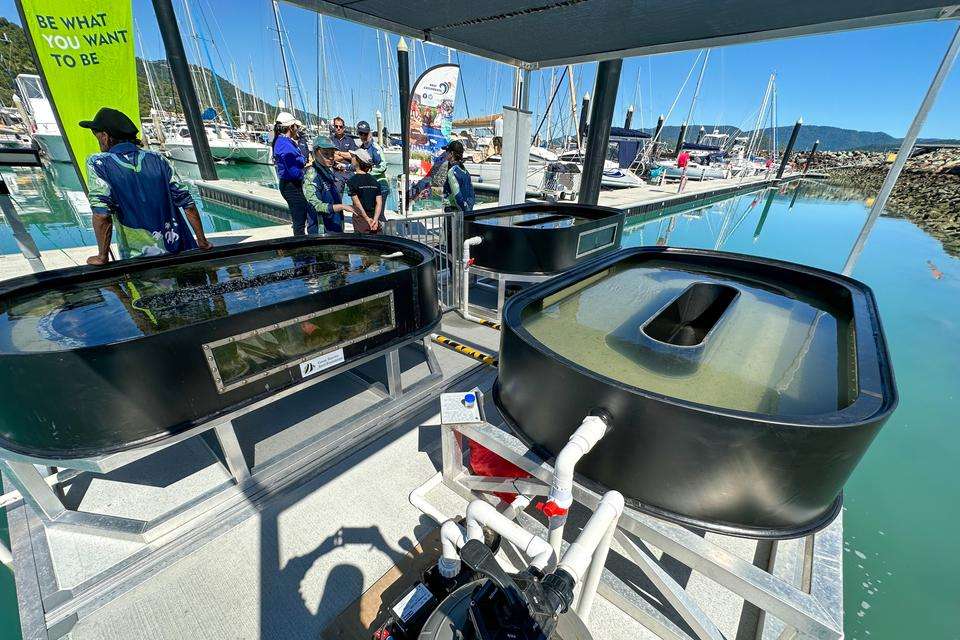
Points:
(140, 190)
(379, 170)
(458, 187)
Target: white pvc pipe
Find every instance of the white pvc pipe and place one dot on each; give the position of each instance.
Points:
(482, 514)
(451, 540)
(588, 434)
(595, 541)
(418, 498)
(469, 242)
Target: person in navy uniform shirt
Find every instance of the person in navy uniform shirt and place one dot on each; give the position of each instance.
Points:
(140, 191)
(290, 163)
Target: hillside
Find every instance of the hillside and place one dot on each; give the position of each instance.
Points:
(15, 58)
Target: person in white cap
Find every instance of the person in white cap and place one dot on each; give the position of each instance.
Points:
(364, 190)
(290, 163)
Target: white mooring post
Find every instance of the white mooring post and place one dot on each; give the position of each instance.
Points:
(904, 153)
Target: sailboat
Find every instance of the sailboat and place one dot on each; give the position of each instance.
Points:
(42, 123)
(225, 142)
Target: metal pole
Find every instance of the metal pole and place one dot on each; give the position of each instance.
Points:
(584, 117)
(656, 135)
(813, 151)
(180, 70)
(283, 56)
(700, 134)
(605, 99)
(23, 238)
(680, 138)
(905, 148)
(573, 105)
(403, 80)
(629, 119)
(789, 149)
(525, 79)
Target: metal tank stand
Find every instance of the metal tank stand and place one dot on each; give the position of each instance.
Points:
(804, 600)
(501, 279)
(40, 492)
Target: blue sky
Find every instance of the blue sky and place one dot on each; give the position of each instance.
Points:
(870, 80)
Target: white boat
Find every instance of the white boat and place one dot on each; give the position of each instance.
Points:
(43, 124)
(225, 144)
(614, 176)
(695, 170)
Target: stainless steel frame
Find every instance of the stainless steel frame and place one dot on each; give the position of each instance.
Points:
(436, 229)
(40, 492)
(49, 610)
(808, 605)
(502, 279)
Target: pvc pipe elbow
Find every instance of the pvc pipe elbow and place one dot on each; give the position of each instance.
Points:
(451, 540)
(587, 435)
(481, 514)
(472, 241)
(576, 560)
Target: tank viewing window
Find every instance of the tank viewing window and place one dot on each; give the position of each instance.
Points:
(596, 239)
(250, 356)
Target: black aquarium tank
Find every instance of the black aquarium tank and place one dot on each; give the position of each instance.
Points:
(542, 238)
(744, 391)
(97, 360)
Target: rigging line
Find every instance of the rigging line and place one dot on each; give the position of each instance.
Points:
(549, 104)
(463, 85)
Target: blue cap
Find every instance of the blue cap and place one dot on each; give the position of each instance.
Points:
(469, 398)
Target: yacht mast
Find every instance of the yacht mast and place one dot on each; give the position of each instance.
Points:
(154, 100)
(236, 93)
(696, 91)
(196, 50)
(573, 108)
(283, 57)
(553, 73)
(754, 135)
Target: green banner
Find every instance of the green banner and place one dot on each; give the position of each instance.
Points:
(85, 52)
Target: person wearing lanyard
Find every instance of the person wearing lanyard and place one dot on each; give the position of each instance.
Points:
(379, 170)
(458, 187)
(140, 190)
(345, 144)
(321, 189)
(290, 162)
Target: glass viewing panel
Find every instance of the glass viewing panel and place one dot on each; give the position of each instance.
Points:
(597, 239)
(250, 356)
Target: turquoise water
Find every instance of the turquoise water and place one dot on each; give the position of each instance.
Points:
(901, 512)
(52, 205)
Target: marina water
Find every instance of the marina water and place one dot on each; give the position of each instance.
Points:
(899, 519)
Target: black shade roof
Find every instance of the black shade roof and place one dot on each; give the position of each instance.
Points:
(537, 33)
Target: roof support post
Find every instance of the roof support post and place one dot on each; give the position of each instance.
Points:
(180, 70)
(525, 77)
(403, 85)
(809, 162)
(601, 118)
(905, 148)
(789, 149)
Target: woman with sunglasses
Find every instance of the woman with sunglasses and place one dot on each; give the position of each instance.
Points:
(290, 163)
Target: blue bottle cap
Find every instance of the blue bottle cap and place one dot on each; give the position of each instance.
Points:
(469, 398)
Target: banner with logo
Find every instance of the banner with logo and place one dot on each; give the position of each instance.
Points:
(431, 113)
(85, 52)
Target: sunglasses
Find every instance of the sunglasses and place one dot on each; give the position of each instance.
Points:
(338, 126)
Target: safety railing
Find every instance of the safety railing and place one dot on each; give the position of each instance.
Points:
(442, 232)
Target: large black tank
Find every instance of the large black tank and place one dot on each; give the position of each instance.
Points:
(744, 391)
(541, 238)
(96, 360)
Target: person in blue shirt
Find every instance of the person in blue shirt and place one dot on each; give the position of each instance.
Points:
(140, 190)
(458, 187)
(343, 167)
(290, 163)
(321, 189)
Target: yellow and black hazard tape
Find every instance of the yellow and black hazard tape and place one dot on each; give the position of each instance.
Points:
(470, 352)
(487, 323)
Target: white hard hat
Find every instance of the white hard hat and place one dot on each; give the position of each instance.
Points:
(285, 119)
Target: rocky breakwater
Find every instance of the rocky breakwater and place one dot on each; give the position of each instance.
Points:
(928, 191)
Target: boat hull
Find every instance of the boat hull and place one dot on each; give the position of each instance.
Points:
(259, 154)
(735, 472)
(531, 250)
(133, 392)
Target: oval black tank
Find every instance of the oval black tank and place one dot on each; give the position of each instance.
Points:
(744, 391)
(542, 238)
(97, 360)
